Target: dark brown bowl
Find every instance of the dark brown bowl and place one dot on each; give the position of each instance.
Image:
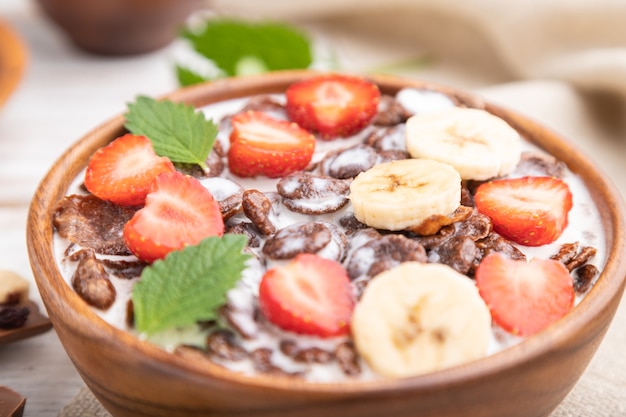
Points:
(119, 27)
(135, 378)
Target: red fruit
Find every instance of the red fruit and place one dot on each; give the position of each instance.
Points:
(310, 295)
(262, 145)
(531, 211)
(122, 171)
(333, 105)
(525, 297)
(179, 211)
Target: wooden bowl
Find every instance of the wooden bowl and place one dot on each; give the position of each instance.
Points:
(119, 27)
(135, 378)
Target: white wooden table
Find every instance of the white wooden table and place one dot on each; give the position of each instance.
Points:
(65, 93)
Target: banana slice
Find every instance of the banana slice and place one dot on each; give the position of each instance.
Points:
(402, 194)
(418, 318)
(475, 142)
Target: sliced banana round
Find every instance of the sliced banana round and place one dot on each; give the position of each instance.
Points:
(475, 142)
(417, 318)
(401, 194)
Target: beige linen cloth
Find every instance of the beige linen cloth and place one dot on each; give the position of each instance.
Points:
(580, 41)
(562, 62)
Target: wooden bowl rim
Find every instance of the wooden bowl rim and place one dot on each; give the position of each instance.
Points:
(66, 307)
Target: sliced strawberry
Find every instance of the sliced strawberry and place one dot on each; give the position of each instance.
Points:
(525, 297)
(531, 211)
(334, 105)
(310, 295)
(122, 171)
(179, 211)
(262, 145)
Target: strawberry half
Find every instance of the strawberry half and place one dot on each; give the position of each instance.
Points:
(531, 211)
(333, 105)
(525, 297)
(122, 171)
(179, 211)
(310, 295)
(262, 145)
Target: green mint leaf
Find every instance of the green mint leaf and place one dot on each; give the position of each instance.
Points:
(189, 285)
(176, 130)
(226, 41)
(250, 65)
(187, 77)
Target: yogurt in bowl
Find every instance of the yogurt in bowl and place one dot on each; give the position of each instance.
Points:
(245, 360)
(312, 211)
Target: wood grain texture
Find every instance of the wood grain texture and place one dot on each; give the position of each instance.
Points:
(134, 378)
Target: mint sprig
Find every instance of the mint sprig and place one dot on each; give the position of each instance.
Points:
(176, 130)
(234, 45)
(189, 285)
(187, 76)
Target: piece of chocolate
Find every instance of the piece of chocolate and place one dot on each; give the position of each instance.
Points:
(13, 317)
(11, 403)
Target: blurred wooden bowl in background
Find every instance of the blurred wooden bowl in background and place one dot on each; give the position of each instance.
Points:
(120, 27)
